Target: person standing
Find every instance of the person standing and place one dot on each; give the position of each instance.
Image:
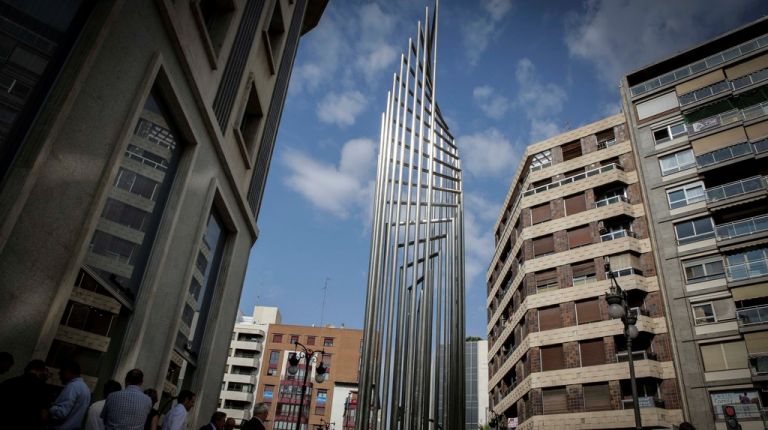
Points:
(93, 420)
(176, 419)
(230, 424)
(154, 416)
(260, 412)
(217, 421)
(127, 409)
(68, 410)
(24, 399)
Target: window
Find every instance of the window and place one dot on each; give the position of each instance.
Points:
(579, 237)
(541, 160)
(704, 313)
(583, 272)
(87, 318)
(592, 352)
(677, 162)
(274, 357)
(251, 119)
(546, 280)
(694, 230)
(273, 35)
(540, 213)
(703, 270)
(597, 397)
(588, 311)
(605, 139)
(277, 338)
(269, 391)
(310, 340)
(750, 264)
(686, 195)
(549, 318)
(552, 358)
(216, 16)
(294, 339)
(575, 204)
(543, 246)
(669, 132)
(724, 356)
(571, 150)
(328, 341)
(555, 400)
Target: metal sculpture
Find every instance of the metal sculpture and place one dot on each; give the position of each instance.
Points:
(412, 372)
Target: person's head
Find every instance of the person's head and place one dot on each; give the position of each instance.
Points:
(152, 394)
(110, 387)
(186, 398)
(260, 411)
(38, 369)
(686, 426)
(230, 424)
(69, 370)
(6, 362)
(218, 418)
(134, 377)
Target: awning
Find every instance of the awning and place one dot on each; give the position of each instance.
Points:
(750, 292)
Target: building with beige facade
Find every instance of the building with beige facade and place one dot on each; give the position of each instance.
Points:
(556, 359)
(135, 141)
(282, 391)
(699, 123)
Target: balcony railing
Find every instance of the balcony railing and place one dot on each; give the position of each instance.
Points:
(724, 154)
(644, 402)
(610, 201)
(729, 117)
(748, 270)
(617, 235)
(758, 364)
(622, 356)
(742, 227)
(736, 188)
(750, 79)
(700, 66)
(752, 315)
(573, 178)
(704, 93)
(627, 271)
(606, 143)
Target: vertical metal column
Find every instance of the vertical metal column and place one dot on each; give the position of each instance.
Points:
(412, 374)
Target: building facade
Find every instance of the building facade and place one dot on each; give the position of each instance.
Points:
(245, 357)
(699, 123)
(556, 358)
(282, 391)
(135, 141)
(476, 383)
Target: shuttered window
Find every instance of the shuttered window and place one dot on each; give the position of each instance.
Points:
(724, 356)
(592, 352)
(583, 272)
(579, 237)
(546, 280)
(540, 213)
(575, 204)
(549, 318)
(552, 358)
(571, 150)
(555, 400)
(597, 397)
(543, 245)
(757, 343)
(588, 311)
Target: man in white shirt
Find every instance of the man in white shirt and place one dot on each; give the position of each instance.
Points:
(93, 419)
(176, 419)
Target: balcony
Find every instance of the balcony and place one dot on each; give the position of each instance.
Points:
(622, 356)
(729, 117)
(574, 178)
(243, 361)
(737, 188)
(618, 234)
(238, 395)
(752, 315)
(752, 78)
(606, 143)
(748, 270)
(758, 365)
(724, 154)
(644, 402)
(704, 93)
(611, 200)
(742, 227)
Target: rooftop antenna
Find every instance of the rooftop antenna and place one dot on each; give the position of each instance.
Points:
(322, 308)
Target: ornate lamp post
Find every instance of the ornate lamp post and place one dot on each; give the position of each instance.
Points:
(616, 298)
(496, 421)
(293, 368)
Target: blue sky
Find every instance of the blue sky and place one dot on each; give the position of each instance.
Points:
(510, 73)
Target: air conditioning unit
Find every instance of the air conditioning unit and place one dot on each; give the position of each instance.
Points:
(601, 227)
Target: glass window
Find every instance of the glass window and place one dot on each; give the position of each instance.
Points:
(328, 341)
(670, 132)
(277, 338)
(677, 162)
(703, 313)
(310, 340)
(686, 195)
(703, 270)
(294, 339)
(750, 264)
(541, 160)
(274, 357)
(694, 230)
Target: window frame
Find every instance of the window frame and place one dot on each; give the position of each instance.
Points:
(686, 189)
(707, 321)
(670, 135)
(696, 237)
(679, 167)
(704, 262)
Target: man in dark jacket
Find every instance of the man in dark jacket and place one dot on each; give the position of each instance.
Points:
(24, 400)
(260, 412)
(217, 422)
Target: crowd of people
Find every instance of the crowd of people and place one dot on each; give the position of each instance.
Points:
(27, 402)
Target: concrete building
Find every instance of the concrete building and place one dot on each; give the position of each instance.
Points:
(699, 123)
(556, 358)
(344, 406)
(246, 352)
(476, 384)
(135, 141)
(282, 391)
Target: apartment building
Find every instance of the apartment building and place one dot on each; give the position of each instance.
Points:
(476, 383)
(556, 359)
(245, 357)
(340, 355)
(135, 141)
(699, 124)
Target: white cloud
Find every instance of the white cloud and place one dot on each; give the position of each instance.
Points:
(619, 36)
(374, 52)
(339, 190)
(479, 245)
(610, 108)
(541, 102)
(477, 32)
(487, 154)
(341, 109)
(497, 8)
(490, 102)
(543, 129)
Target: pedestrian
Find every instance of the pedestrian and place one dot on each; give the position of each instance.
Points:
(6, 362)
(24, 399)
(68, 410)
(260, 412)
(153, 419)
(217, 421)
(230, 424)
(93, 420)
(686, 426)
(176, 419)
(128, 408)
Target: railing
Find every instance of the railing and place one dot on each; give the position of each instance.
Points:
(610, 201)
(752, 315)
(700, 66)
(749, 79)
(617, 235)
(644, 402)
(735, 188)
(729, 117)
(758, 364)
(573, 178)
(626, 272)
(761, 146)
(606, 143)
(636, 355)
(742, 227)
(704, 93)
(724, 154)
(748, 270)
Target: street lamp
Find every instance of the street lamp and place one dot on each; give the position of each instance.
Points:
(496, 421)
(321, 373)
(616, 298)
